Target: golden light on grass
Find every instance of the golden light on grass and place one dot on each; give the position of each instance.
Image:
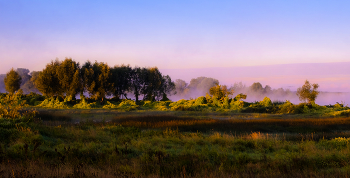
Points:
(255, 135)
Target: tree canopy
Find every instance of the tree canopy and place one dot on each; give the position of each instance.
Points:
(97, 80)
(48, 82)
(68, 74)
(219, 92)
(308, 93)
(12, 81)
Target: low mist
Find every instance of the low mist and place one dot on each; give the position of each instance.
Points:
(256, 92)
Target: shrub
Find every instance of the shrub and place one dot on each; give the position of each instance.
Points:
(11, 105)
(266, 102)
(85, 105)
(286, 108)
(201, 100)
(109, 105)
(53, 103)
(236, 105)
(157, 105)
(128, 105)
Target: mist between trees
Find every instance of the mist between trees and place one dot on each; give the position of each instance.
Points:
(201, 85)
(256, 92)
(67, 79)
(57, 79)
(97, 80)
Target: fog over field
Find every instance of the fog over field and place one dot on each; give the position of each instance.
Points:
(278, 82)
(333, 79)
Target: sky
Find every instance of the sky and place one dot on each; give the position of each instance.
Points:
(174, 34)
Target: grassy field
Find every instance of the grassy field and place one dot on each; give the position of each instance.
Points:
(113, 143)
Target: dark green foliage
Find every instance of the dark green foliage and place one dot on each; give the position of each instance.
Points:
(97, 80)
(139, 81)
(12, 81)
(122, 79)
(168, 87)
(154, 84)
(165, 97)
(48, 82)
(33, 98)
(68, 73)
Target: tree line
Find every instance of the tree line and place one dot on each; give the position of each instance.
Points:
(68, 78)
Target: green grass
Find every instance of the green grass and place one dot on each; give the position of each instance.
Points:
(111, 143)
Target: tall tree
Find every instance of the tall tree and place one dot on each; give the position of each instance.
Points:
(47, 81)
(138, 81)
(12, 81)
(156, 86)
(219, 92)
(121, 77)
(168, 87)
(154, 82)
(68, 73)
(97, 80)
(202, 84)
(256, 87)
(308, 92)
(180, 86)
(267, 89)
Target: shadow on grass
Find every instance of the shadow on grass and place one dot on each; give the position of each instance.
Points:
(190, 124)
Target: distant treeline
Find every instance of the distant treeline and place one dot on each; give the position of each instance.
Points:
(201, 85)
(67, 79)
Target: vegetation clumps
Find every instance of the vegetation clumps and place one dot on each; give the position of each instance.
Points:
(171, 144)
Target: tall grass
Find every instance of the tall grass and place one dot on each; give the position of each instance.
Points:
(114, 143)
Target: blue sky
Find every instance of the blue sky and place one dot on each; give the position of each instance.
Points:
(174, 34)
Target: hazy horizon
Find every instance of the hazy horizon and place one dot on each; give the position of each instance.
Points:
(276, 43)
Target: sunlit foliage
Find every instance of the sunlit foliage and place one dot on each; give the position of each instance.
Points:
(12, 81)
(308, 92)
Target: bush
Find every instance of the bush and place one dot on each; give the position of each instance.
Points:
(266, 102)
(85, 105)
(236, 105)
(286, 108)
(11, 105)
(128, 105)
(110, 105)
(201, 100)
(157, 105)
(53, 103)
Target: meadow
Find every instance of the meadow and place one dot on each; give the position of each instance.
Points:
(156, 139)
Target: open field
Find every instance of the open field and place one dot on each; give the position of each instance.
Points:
(112, 143)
